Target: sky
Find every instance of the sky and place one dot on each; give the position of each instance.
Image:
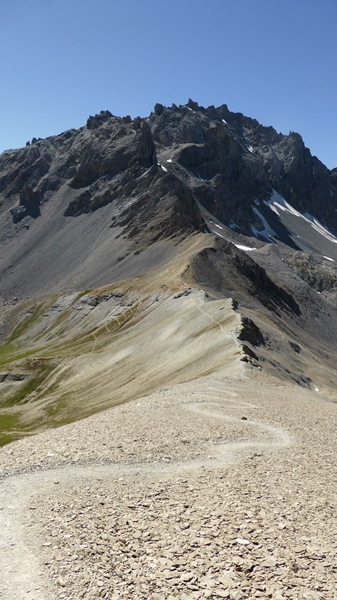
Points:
(273, 60)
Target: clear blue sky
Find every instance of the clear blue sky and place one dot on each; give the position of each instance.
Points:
(274, 60)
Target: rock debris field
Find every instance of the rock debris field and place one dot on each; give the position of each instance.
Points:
(224, 487)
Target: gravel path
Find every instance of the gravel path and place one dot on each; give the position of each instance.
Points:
(219, 488)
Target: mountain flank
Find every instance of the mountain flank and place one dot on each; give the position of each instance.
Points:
(106, 227)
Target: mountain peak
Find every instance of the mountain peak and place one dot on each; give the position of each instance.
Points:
(181, 170)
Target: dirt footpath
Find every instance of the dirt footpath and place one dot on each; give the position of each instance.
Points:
(220, 488)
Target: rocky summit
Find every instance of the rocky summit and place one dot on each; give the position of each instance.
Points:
(180, 171)
(168, 297)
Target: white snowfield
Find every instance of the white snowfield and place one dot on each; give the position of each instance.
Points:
(245, 248)
(277, 203)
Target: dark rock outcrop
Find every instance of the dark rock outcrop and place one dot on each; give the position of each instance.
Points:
(118, 147)
(226, 269)
(29, 205)
(98, 120)
(250, 332)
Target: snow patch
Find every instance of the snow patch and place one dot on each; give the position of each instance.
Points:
(233, 225)
(328, 258)
(245, 248)
(163, 168)
(169, 160)
(320, 228)
(249, 146)
(277, 203)
(267, 232)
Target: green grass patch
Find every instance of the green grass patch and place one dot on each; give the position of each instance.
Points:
(6, 352)
(25, 323)
(9, 354)
(40, 371)
(10, 429)
(53, 326)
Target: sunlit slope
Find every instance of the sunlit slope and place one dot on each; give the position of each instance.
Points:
(72, 355)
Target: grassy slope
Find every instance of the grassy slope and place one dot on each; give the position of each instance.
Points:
(69, 356)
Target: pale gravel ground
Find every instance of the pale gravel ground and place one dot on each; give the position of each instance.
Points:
(219, 488)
